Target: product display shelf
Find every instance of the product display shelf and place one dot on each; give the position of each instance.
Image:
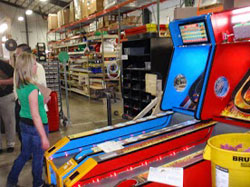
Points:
(136, 53)
(75, 34)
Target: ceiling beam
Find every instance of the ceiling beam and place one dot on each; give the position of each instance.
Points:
(23, 3)
(58, 3)
(30, 2)
(34, 8)
(53, 2)
(18, 6)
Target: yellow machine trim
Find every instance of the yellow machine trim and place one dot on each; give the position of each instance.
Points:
(50, 152)
(78, 135)
(80, 172)
(49, 164)
(57, 146)
(66, 167)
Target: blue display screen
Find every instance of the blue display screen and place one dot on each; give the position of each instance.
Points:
(194, 33)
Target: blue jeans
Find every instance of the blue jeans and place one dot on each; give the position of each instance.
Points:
(31, 145)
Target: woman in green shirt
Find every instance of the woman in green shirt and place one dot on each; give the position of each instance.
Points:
(33, 121)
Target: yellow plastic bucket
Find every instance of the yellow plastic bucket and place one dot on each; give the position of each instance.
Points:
(229, 168)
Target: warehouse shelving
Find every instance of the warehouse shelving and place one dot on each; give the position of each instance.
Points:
(119, 8)
(156, 52)
(66, 42)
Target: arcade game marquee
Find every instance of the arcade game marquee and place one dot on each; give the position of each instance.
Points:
(84, 160)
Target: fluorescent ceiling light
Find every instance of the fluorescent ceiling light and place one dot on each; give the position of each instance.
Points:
(3, 27)
(4, 39)
(43, 0)
(242, 18)
(28, 12)
(20, 18)
(241, 10)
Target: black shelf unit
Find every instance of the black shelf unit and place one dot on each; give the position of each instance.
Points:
(156, 50)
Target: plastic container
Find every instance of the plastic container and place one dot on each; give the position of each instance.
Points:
(229, 168)
(53, 113)
(147, 65)
(134, 51)
(148, 28)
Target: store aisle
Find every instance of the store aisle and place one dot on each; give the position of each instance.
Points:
(85, 115)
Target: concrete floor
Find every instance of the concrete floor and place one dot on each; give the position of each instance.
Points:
(85, 115)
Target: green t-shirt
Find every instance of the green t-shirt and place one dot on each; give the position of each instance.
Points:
(23, 96)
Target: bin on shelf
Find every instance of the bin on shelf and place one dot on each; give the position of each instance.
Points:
(229, 168)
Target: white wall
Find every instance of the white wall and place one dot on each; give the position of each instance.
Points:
(166, 11)
(36, 25)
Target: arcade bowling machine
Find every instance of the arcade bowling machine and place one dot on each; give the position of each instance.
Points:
(185, 92)
(77, 160)
(226, 97)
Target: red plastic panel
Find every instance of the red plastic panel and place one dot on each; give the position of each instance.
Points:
(223, 22)
(231, 61)
(198, 175)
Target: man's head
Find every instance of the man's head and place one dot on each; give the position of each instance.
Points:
(22, 48)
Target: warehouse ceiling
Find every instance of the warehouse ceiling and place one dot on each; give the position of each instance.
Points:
(42, 7)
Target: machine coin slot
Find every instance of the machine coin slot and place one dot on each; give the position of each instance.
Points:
(53, 148)
(74, 175)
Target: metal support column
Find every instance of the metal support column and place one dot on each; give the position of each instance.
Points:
(109, 110)
(119, 59)
(67, 93)
(158, 15)
(26, 29)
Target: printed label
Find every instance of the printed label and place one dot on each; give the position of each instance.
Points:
(124, 57)
(221, 87)
(110, 146)
(169, 175)
(222, 177)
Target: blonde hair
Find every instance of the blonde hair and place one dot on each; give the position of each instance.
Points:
(24, 69)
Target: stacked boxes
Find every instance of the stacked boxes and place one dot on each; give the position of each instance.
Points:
(95, 6)
(80, 9)
(77, 5)
(65, 16)
(52, 21)
(71, 12)
(59, 18)
(84, 8)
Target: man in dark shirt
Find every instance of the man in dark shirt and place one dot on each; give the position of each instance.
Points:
(7, 104)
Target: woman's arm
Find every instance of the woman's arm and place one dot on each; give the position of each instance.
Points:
(8, 81)
(33, 102)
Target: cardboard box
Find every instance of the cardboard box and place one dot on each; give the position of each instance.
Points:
(151, 83)
(59, 18)
(241, 3)
(65, 16)
(204, 3)
(52, 21)
(71, 12)
(92, 26)
(107, 20)
(180, 13)
(95, 6)
(84, 8)
(211, 6)
(100, 23)
(109, 3)
(77, 5)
